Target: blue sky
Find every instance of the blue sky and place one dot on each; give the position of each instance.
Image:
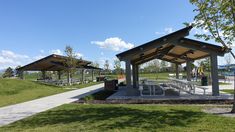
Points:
(96, 29)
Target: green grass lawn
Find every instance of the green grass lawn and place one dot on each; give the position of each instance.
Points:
(89, 117)
(230, 91)
(14, 91)
(224, 83)
(156, 76)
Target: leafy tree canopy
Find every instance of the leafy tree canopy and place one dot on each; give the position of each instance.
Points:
(218, 17)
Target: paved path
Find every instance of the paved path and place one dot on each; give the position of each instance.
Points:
(16, 112)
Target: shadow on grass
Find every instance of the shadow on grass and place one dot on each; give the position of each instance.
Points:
(47, 84)
(112, 117)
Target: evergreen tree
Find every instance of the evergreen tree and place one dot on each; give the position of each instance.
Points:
(8, 73)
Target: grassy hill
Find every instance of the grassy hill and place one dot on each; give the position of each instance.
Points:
(14, 91)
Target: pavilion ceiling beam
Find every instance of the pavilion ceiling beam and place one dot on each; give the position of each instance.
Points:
(182, 56)
(204, 56)
(192, 45)
(154, 57)
(49, 68)
(58, 64)
(159, 52)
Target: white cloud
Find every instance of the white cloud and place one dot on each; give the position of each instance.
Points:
(56, 51)
(115, 44)
(11, 59)
(38, 57)
(199, 31)
(59, 52)
(42, 51)
(79, 55)
(9, 54)
(102, 60)
(167, 30)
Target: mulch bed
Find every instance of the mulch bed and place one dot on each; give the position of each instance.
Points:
(141, 101)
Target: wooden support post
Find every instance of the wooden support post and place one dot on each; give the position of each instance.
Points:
(134, 75)
(92, 75)
(82, 79)
(177, 71)
(214, 75)
(188, 69)
(43, 75)
(59, 74)
(137, 76)
(128, 74)
(21, 75)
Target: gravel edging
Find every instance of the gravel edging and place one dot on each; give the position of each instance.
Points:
(219, 111)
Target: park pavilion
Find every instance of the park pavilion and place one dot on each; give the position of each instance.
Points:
(173, 48)
(56, 64)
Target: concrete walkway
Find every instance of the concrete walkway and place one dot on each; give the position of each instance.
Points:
(16, 112)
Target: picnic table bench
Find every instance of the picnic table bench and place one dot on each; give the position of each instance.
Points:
(186, 86)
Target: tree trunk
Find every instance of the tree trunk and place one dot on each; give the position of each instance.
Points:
(69, 78)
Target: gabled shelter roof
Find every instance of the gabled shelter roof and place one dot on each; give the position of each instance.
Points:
(174, 48)
(53, 63)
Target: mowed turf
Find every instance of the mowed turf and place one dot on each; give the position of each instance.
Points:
(230, 91)
(128, 118)
(14, 91)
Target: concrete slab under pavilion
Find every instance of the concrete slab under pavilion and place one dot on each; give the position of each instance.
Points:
(173, 48)
(121, 95)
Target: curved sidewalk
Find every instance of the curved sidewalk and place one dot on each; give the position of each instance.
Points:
(19, 111)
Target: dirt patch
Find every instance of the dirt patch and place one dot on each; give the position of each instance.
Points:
(220, 111)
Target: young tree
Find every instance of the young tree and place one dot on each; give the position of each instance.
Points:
(95, 64)
(156, 64)
(173, 67)
(218, 17)
(8, 73)
(228, 60)
(70, 62)
(163, 65)
(117, 66)
(106, 66)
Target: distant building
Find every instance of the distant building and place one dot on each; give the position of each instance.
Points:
(227, 70)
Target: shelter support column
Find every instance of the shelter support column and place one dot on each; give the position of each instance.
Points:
(128, 74)
(177, 71)
(43, 75)
(130, 90)
(188, 70)
(214, 75)
(137, 76)
(134, 75)
(59, 75)
(83, 78)
(92, 75)
(21, 75)
(99, 73)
